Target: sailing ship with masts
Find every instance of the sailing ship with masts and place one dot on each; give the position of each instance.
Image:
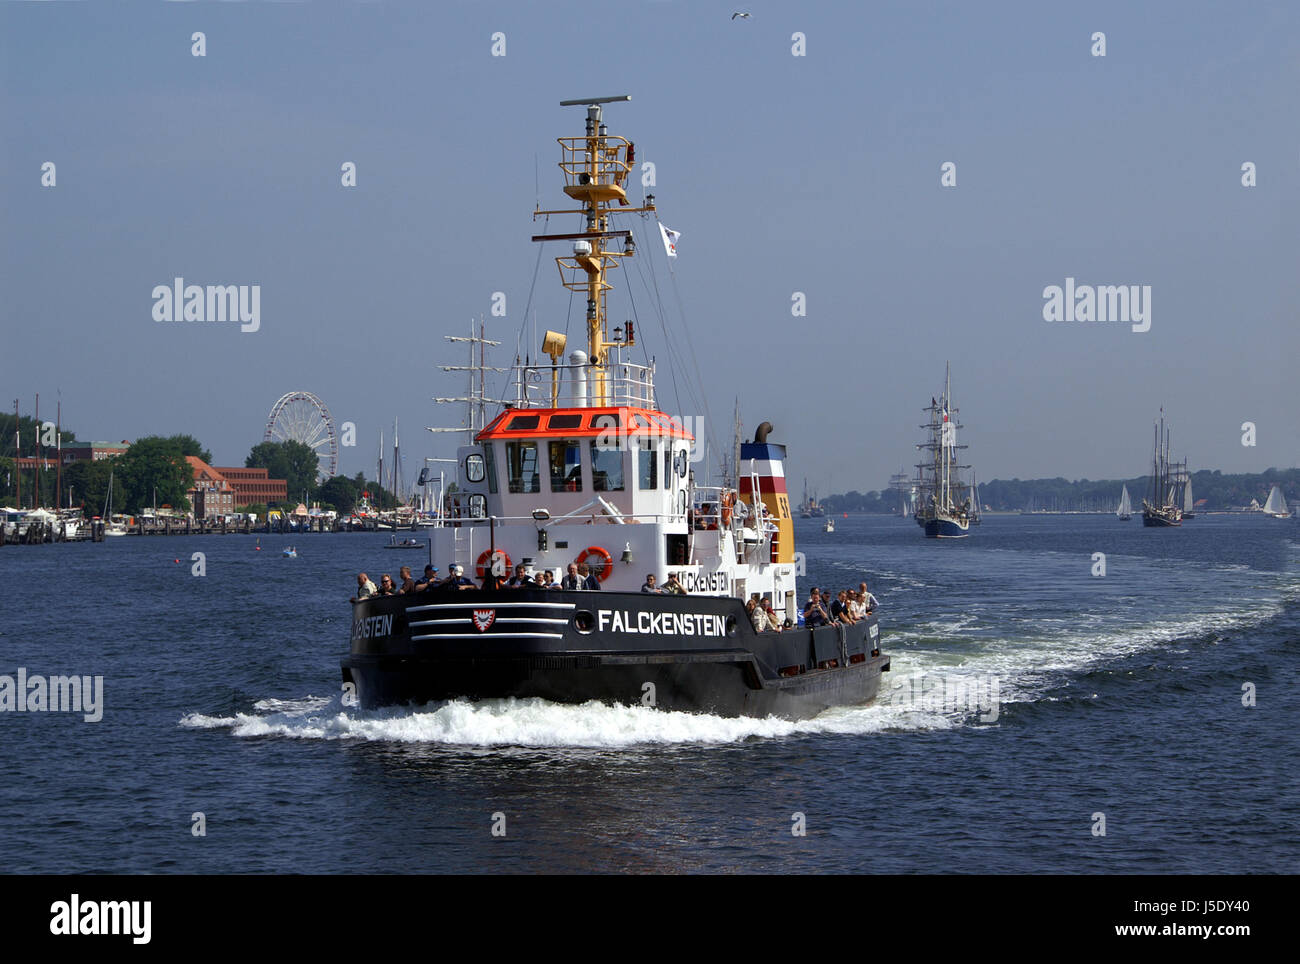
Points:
(945, 505)
(581, 467)
(1162, 508)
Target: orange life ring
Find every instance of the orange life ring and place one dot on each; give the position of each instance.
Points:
(608, 561)
(728, 501)
(485, 556)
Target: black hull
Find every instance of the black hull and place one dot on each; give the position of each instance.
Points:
(694, 654)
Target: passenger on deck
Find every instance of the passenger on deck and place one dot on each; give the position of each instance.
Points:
(386, 587)
(520, 579)
(365, 588)
(757, 616)
(649, 584)
(571, 580)
(856, 609)
(868, 600)
(550, 580)
(674, 588)
(840, 608)
(813, 614)
(457, 579)
(590, 580)
(408, 584)
(772, 616)
(430, 579)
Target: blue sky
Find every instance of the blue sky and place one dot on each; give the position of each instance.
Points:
(818, 174)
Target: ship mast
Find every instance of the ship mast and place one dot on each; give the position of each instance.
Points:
(596, 167)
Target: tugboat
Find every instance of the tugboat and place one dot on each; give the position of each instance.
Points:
(944, 508)
(582, 468)
(1160, 510)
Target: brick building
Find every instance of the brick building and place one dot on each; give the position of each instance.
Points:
(254, 485)
(211, 496)
(95, 451)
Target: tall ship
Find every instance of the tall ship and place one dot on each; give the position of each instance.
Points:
(1161, 508)
(810, 508)
(945, 506)
(580, 467)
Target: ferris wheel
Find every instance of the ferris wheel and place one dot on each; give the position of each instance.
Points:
(302, 417)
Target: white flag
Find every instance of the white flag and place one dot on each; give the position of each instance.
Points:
(670, 240)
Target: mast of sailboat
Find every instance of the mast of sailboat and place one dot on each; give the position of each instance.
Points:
(18, 454)
(379, 479)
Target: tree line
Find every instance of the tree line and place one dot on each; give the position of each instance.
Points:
(153, 472)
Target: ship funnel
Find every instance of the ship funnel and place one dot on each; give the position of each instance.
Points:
(578, 360)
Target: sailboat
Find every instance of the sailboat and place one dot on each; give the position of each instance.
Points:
(944, 509)
(1125, 510)
(1189, 503)
(112, 527)
(1161, 510)
(1276, 505)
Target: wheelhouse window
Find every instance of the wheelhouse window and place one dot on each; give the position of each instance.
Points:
(647, 462)
(564, 421)
(606, 467)
(477, 506)
(490, 463)
(523, 423)
(474, 468)
(668, 466)
(566, 465)
(521, 465)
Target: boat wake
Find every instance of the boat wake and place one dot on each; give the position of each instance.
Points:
(539, 724)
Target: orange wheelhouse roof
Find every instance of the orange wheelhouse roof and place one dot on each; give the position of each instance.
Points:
(518, 423)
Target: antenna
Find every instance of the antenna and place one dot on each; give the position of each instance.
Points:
(593, 101)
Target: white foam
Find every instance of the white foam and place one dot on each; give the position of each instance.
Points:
(537, 723)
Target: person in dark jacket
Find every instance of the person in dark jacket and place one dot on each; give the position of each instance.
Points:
(589, 579)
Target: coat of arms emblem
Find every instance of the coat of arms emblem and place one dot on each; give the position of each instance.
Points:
(483, 618)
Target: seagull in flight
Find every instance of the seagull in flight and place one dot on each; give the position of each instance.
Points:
(743, 16)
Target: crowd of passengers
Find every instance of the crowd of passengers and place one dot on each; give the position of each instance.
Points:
(847, 606)
(578, 576)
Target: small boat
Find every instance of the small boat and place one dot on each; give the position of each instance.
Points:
(1125, 510)
(404, 544)
(830, 525)
(290, 552)
(1276, 505)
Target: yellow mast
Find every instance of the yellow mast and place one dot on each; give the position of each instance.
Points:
(596, 167)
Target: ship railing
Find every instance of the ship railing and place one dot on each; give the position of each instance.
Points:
(465, 519)
(626, 384)
(611, 166)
